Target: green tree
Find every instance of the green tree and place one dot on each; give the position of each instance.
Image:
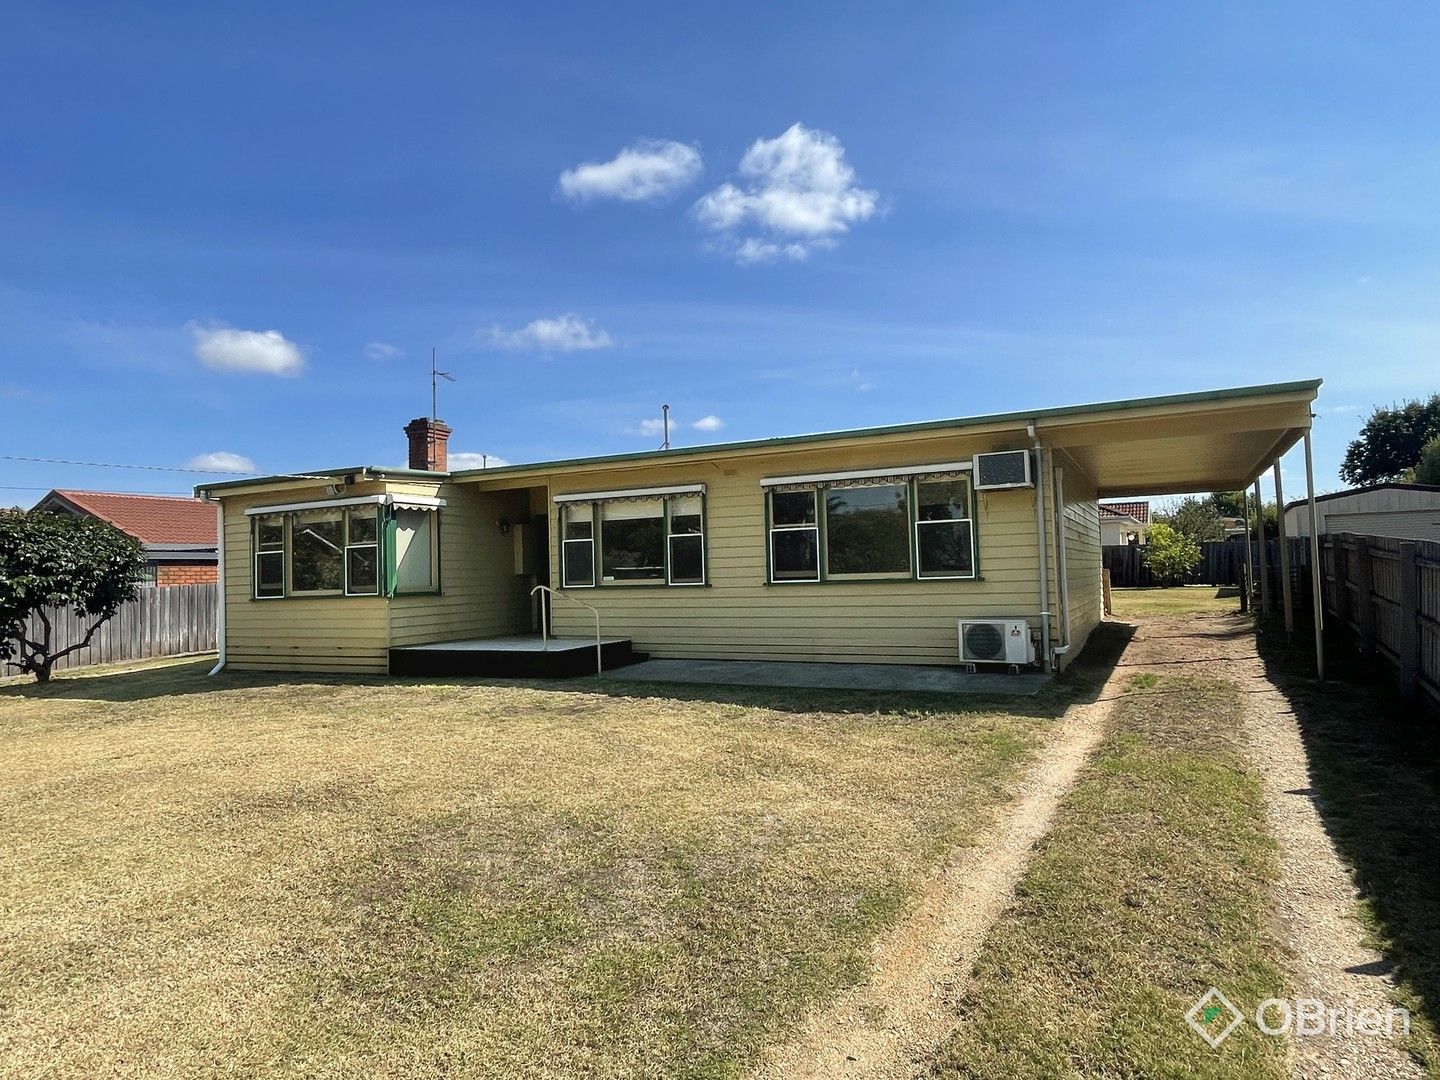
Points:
(1390, 441)
(1427, 471)
(1196, 518)
(54, 560)
(1170, 554)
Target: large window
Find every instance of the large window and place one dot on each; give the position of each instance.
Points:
(867, 531)
(633, 538)
(343, 550)
(632, 541)
(882, 527)
(417, 553)
(317, 551)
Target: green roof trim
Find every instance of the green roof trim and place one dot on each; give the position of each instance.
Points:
(1194, 398)
(1024, 416)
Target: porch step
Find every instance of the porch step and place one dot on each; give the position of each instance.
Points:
(521, 657)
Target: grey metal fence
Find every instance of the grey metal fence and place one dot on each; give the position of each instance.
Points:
(168, 621)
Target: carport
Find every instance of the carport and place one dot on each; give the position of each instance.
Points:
(1226, 440)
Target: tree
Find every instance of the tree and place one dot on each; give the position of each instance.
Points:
(1196, 518)
(55, 560)
(1170, 554)
(1427, 470)
(1390, 441)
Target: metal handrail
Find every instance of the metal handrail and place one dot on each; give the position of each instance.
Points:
(545, 623)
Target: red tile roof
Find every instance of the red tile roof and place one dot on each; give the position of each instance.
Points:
(1139, 510)
(151, 519)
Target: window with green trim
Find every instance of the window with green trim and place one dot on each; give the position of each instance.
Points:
(269, 542)
(634, 539)
(362, 551)
(417, 551)
(918, 527)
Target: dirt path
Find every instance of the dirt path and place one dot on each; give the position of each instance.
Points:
(887, 1027)
(1316, 896)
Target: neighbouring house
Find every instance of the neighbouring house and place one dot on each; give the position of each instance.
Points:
(1124, 522)
(1409, 511)
(179, 533)
(869, 545)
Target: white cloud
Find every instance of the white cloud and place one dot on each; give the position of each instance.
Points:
(265, 352)
(466, 460)
(708, 423)
(564, 333)
(222, 461)
(648, 428)
(797, 195)
(650, 169)
(382, 350)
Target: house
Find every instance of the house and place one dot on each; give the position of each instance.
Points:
(862, 546)
(1124, 522)
(1411, 511)
(178, 532)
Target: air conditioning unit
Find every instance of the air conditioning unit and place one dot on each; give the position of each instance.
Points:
(996, 641)
(1002, 469)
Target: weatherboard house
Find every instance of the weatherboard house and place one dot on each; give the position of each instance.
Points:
(947, 542)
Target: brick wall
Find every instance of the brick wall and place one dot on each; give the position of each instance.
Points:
(186, 574)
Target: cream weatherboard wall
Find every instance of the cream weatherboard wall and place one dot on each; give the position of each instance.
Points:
(738, 615)
(342, 634)
(1080, 518)
(480, 595)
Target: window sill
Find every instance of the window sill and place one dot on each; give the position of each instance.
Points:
(658, 587)
(877, 581)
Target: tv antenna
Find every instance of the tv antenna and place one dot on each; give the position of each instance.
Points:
(436, 374)
(665, 412)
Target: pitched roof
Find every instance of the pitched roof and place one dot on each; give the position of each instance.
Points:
(1139, 510)
(151, 519)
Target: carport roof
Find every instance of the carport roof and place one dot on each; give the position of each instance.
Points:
(1213, 440)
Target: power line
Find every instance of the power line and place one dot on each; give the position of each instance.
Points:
(113, 465)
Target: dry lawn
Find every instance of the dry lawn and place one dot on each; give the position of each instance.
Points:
(367, 878)
(1180, 600)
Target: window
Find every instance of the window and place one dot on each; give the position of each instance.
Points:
(269, 556)
(417, 556)
(686, 540)
(847, 529)
(362, 552)
(317, 551)
(944, 530)
(794, 536)
(642, 537)
(577, 546)
(867, 531)
(632, 540)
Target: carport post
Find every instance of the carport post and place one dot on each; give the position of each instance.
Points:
(1248, 584)
(1264, 556)
(1284, 555)
(1317, 600)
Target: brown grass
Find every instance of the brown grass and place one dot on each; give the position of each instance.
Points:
(1179, 600)
(368, 877)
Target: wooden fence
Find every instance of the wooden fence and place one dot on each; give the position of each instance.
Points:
(1222, 562)
(1386, 592)
(168, 621)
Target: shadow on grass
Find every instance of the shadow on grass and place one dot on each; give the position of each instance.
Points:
(1375, 769)
(1079, 684)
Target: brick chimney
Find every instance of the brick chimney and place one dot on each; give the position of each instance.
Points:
(428, 439)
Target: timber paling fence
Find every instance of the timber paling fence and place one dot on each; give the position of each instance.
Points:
(1386, 592)
(169, 621)
(1222, 562)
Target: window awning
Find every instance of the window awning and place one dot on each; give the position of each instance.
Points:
(405, 502)
(631, 493)
(945, 470)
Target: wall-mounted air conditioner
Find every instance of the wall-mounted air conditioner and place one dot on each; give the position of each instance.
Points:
(996, 641)
(1002, 469)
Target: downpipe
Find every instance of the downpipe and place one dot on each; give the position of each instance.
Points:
(1042, 550)
(220, 585)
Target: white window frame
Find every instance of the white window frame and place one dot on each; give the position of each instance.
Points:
(814, 527)
(374, 545)
(594, 539)
(915, 513)
(257, 552)
(671, 537)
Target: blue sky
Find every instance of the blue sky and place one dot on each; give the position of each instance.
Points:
(240, 230)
